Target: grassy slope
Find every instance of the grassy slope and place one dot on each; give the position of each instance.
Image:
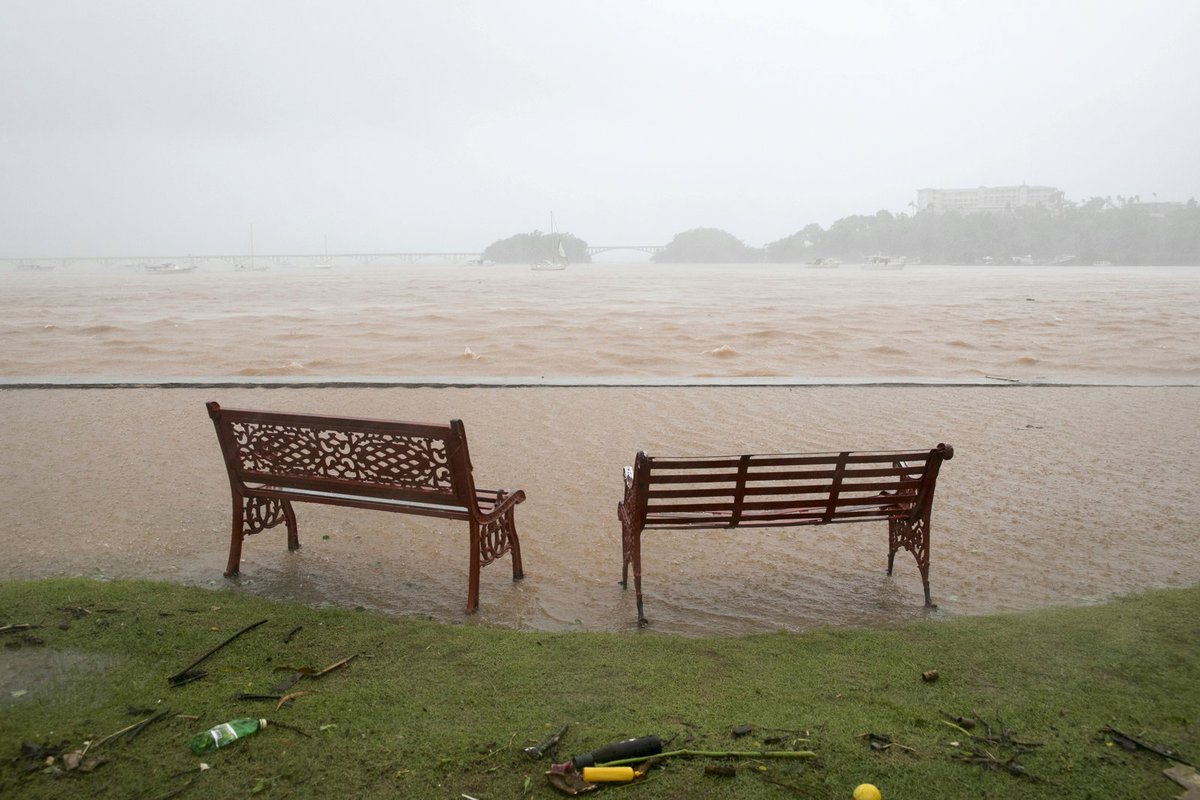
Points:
(431, 710)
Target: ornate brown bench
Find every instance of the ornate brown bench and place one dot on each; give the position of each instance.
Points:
(275, 459)
(783, 490)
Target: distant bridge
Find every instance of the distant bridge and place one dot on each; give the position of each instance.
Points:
(652, 249)
(301, 259)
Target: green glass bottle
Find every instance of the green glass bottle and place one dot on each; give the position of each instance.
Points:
(225, 733)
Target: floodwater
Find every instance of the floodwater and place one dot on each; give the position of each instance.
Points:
(1070, 396)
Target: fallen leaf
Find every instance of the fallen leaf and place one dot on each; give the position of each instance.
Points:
(288, 697)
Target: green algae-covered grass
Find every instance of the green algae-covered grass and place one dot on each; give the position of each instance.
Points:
(433, 710)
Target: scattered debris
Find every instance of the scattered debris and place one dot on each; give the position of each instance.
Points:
(288, 698)
(722, 770)
(130, 731)
(1132, 743)
(189, 673)
(929, 676)
(964, 724)
(567, 778)
(298, 672)
(141, 726)
(619, 753)
(76, 612)
(742, 730)
(335, 665)
(754, 754)
(986, 759)
(17, 626)
(225, 734)
(288, 637)
(1003, 742)
(608, 774)
(286, 683)
(293, 728)
(78, 761)
(569, 781)
(881, 741)
(546, 746)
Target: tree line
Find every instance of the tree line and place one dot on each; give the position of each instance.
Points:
(1125, 232)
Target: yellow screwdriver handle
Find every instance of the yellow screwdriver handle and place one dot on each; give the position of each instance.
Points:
(607, 774)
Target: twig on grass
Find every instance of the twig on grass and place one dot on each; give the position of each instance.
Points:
(186, 675)
(712, 754)
(292, 728)
(1132, 743)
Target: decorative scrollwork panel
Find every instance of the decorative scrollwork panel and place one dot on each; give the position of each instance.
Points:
(260, 513)
(365, 457)
(494, 539)
(913, 536)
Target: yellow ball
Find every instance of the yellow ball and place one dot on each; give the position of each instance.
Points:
(867, 791)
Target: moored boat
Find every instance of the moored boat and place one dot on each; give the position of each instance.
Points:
(169, 267)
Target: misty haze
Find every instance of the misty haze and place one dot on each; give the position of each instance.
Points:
(586, 237)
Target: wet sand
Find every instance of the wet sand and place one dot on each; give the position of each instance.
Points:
(1056, 495)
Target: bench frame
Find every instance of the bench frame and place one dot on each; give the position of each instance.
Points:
(781, 490)
(274, 459)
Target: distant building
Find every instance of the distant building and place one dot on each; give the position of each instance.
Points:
(998, 199)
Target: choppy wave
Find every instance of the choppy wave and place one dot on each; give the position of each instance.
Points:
(606, 321)
(290, 368)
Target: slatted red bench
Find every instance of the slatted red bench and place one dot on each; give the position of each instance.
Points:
(781, 490)
(276, 459)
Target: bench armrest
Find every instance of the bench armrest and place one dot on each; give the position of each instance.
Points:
(505, 502)
(627, 509)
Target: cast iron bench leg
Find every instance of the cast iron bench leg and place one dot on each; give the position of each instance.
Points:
(235, 540)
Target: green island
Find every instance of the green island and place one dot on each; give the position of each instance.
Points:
(1083, 702)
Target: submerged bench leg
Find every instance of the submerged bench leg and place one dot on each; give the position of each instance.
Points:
(635, 555)
(235, 540)
(637, 584)
(490, 541)
(514, 545)
(913, 536)
(289, 516)
(631, 553)
(473, 571)
(254, 514)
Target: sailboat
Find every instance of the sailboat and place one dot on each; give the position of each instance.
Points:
(250, 267)
(559, 261)
(324, 263)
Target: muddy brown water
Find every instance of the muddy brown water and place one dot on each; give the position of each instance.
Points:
(1058, 494)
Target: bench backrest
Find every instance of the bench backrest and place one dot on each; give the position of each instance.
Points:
(408, 461)
(783, 489)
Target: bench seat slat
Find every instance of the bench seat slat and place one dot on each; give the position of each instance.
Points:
(764, 513)
(758, 476)
(361, 501)
(350, 487)
(778, 505)
(788, 459)
(786, 490)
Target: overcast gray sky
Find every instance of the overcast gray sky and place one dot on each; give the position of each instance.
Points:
(150, 126)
